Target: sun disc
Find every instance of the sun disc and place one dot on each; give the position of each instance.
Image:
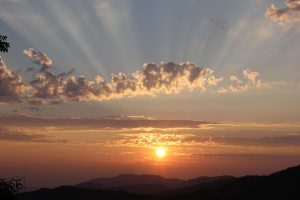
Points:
(160, 152)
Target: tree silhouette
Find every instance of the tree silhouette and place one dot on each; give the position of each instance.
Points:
(10, 187)
(3, 44)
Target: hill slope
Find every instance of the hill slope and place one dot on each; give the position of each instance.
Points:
(280, 185)
(144, 184)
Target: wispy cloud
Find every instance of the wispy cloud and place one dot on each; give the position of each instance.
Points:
(18, 135)
(151, 133)
(172, 139)
(94, 123)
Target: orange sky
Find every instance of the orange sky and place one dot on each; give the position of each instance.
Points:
(48, 155)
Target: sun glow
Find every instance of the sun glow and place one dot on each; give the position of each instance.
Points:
(160, 152)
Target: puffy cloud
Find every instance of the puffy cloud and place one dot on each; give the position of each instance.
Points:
(39, 58)
(250, 81)
(251, 76)
(288, 16)
(153, 79)
(11, 85)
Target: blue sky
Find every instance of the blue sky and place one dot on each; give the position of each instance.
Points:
(104, 37)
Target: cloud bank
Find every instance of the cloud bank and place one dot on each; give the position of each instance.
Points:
(153, 79)
(288, 16)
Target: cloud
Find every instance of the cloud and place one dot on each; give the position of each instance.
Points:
(250, 81)
(11, 85)
(6, 134)
(26, 135)
(142, 132)
(175, 139)
(39, 58)
(98, 124)
(288, 16)
(163, 78)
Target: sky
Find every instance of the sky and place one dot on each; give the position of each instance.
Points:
(228, 68)
(251, 54)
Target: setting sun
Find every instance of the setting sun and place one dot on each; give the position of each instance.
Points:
(160, 152)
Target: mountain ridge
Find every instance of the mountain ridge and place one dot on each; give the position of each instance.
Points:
(284, 184)
(127, 182)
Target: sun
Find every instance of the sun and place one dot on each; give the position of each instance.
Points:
(160, 152)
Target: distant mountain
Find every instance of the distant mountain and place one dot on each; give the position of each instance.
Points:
(144, 184)
(205, 179)
(133, 183)
(283, 185)
(199, 183)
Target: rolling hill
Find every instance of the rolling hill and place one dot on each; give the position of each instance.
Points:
(284, 184)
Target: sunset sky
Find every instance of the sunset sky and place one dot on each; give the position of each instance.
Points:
(179, 88)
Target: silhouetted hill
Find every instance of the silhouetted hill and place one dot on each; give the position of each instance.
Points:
(144, 184)
(73, 193)
(133, 183)
(281, 185)
(197, 184)
(204, 179)
(284, 185)
(142, 189)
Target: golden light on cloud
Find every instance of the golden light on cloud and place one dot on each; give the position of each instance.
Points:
(160, 152)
